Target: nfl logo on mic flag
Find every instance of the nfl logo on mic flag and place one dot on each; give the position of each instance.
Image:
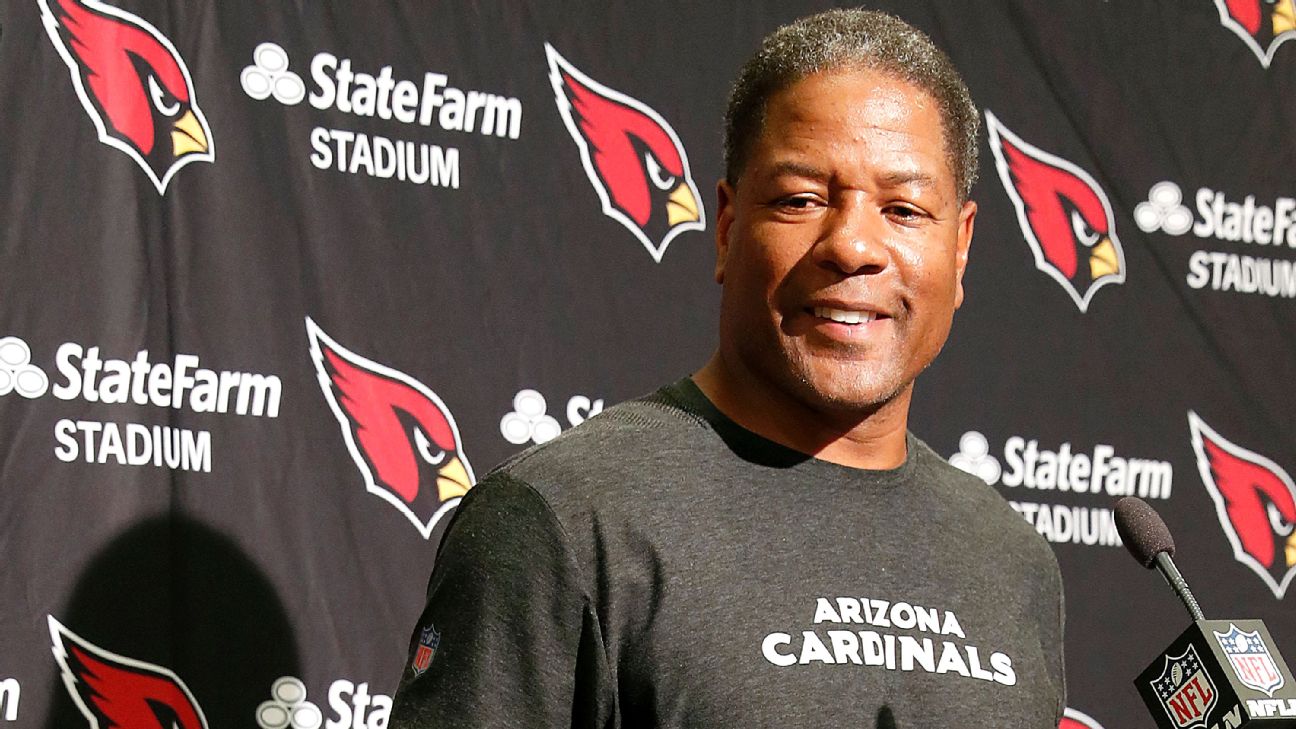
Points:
(1220, 674)
(1185, 691)
(1252, 663)
(429, 639)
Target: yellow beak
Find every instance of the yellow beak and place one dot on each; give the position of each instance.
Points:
(1103, 260)
(682, 206)
(1290, 551)
(187, 135)
(1284, 17)
(452, 480)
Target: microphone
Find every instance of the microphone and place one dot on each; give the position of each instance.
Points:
(1148, 538)
(1218, 674)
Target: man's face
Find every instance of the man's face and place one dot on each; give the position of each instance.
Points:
(842, 247)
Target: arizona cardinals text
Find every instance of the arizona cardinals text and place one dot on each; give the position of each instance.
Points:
(884, 650)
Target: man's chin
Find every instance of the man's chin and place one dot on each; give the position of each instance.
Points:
(858, 397)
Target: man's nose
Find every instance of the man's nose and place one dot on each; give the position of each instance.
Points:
(853, 240)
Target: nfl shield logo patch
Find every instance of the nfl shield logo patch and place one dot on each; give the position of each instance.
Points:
(1252, 663)
(429, 639)
(1185, 690)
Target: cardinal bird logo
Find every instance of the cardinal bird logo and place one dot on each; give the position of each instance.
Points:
(1073, 719)
(1262, 24)
(116, 692)
(1063, 214)
(1255, 501)
(133, 85)
(631, 155)
(401, 436)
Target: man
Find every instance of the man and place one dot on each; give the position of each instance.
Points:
(765, 544)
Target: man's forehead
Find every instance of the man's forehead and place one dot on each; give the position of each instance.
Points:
(823, 120)
(855, 92)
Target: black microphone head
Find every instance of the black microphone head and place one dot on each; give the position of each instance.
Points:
(1141, 528)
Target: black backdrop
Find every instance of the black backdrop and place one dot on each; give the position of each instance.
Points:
(327, 330)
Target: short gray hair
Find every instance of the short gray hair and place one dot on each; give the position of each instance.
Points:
(863, 39)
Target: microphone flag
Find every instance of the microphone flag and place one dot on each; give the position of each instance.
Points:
(1220, 674)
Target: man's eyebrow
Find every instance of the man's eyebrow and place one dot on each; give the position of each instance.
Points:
(910, 177)
(897, 178)
(797, 169)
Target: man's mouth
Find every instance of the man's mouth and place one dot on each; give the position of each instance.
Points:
(845, 316)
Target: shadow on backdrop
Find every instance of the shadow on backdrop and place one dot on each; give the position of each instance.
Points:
(175, 593)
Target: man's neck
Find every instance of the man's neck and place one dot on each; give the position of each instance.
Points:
(872, 440)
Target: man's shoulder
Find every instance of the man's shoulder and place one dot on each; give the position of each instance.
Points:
(620, 445)
(987, 512)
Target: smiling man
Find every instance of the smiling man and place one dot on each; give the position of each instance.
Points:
(765, 543)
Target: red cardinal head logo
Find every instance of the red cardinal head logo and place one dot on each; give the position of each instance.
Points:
(633, 158)
(133, 85)
(1255, 501)
(116, 692)
(1063, 214)
(401, 436)
(1073, 719)
(1262, 24)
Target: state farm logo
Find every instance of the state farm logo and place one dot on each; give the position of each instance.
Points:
(269, 76)
(1163, 210)
(288, 707)
(1094, 470)
(351, 706)
(1026, 464)
(17, 373)
(529, 421)
(112, 690)
(1255, 501)
(1266, 226)
(399, 433)
(974, 457)
(632, 157)
(1064, 215)
(133, 85)
(181, 383)
(1075, 719)
(1218, 217)
(410, 105)
(1262, 24)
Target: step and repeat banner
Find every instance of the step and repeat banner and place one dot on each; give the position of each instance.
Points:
(281, 280)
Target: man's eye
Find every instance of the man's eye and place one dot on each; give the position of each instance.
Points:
(796, 203)
(903, 212)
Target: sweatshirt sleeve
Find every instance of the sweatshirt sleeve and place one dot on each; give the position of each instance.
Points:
(1057, 659)
(514, 640)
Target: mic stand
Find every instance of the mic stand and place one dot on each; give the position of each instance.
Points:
(1176, 581)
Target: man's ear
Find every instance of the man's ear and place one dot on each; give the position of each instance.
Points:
(724, 220)
(967, 216)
